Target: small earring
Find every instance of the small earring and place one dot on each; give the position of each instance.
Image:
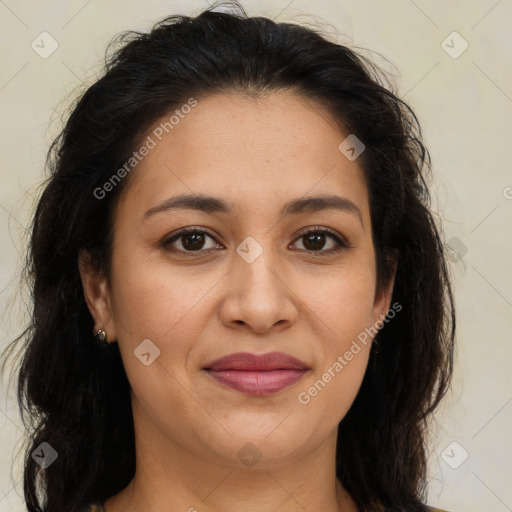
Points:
(101, 336)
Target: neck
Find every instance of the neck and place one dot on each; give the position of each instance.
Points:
(172, 478)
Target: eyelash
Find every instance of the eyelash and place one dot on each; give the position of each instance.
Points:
(340, 241)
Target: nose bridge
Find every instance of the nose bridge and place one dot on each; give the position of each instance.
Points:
(257, 295)
(256, 266)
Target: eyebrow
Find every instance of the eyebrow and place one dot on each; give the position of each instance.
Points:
(210, 204)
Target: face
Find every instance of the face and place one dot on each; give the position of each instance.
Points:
(269, 269)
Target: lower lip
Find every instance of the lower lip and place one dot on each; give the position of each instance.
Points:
(256, 382)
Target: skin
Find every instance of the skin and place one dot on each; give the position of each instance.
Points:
(256, 154)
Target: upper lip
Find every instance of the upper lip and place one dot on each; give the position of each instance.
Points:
(247, 361)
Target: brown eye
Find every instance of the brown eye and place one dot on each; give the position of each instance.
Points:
(315, 240)
(190, 240)
(194, 240)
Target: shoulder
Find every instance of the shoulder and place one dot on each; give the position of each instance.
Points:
(96, 508)
(432, 509)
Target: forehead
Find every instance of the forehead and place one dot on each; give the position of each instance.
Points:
(249, 151)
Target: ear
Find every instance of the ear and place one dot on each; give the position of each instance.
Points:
(383, 295)
(97, 295)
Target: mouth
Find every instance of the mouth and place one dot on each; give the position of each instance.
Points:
(257, 374)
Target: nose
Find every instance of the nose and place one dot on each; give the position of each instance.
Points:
(258, 297)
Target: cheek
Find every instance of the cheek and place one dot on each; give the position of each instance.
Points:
(152, 302)
(330, 393)
(343, 298)
(344, 306)
(345, 313)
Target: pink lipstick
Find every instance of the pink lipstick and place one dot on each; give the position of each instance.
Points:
(257, 374)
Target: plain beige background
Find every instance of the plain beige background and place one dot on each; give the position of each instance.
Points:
(463, 98)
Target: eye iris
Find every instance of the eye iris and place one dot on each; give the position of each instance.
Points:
(196, 241)
(314, 241)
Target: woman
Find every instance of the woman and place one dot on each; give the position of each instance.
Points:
(241, 300)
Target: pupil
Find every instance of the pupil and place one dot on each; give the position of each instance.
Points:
(317, 240)
(197, 241)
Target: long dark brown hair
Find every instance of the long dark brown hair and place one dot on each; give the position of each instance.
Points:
(74, 394)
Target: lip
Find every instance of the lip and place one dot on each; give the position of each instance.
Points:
(257, 374)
